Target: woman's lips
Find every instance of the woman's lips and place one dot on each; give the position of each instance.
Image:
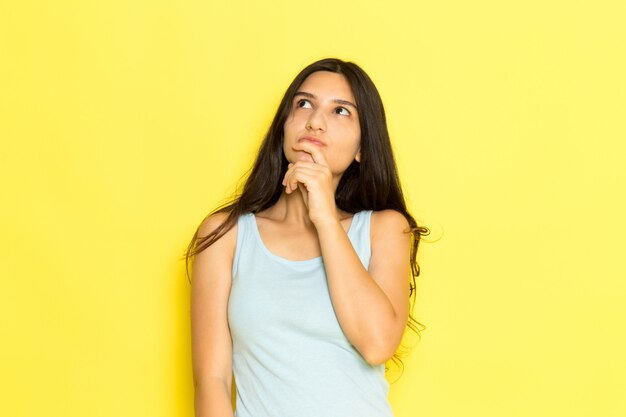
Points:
(312, 140)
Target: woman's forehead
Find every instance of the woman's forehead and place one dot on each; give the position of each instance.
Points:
(326, 85)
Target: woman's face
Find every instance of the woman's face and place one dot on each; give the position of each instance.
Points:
(324, 110)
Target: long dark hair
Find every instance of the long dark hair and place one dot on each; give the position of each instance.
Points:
(372, 184)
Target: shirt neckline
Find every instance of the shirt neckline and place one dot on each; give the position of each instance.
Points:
(305, 262)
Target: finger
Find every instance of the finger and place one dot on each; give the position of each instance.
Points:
(287, 174)
(304, 166)
(292, 182)
(286, 181)
(314, 150)
(304, 177)
(286, 184)
(310, 168)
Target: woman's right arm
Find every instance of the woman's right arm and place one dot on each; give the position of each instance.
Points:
(211, 345)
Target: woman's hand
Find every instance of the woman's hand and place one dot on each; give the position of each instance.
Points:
(315, 182)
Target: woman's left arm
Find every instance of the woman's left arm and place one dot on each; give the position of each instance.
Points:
(372, 306)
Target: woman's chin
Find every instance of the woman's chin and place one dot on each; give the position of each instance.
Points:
(305, 157)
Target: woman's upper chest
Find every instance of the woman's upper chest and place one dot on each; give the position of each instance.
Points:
(290, 242)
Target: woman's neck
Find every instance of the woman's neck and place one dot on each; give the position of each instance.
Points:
(290, 209)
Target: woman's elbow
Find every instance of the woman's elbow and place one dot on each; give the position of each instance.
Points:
(378, 356)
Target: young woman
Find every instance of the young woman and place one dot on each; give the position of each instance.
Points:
(299, 285)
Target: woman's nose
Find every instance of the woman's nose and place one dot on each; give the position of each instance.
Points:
(316, 121)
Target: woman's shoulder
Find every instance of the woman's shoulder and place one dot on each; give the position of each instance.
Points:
(388, 220)
(212, 223)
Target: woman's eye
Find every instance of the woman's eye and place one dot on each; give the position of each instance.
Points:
(302, 101)
(347, 113)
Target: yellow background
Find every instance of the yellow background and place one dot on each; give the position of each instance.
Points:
(123, 123)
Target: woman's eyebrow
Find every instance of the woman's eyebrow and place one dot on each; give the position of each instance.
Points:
(336, 100)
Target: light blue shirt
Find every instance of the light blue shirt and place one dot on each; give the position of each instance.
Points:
(290, 355)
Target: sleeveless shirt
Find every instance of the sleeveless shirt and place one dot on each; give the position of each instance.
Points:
(290, 355)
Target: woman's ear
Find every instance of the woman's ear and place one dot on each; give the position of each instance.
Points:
(358, 156)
